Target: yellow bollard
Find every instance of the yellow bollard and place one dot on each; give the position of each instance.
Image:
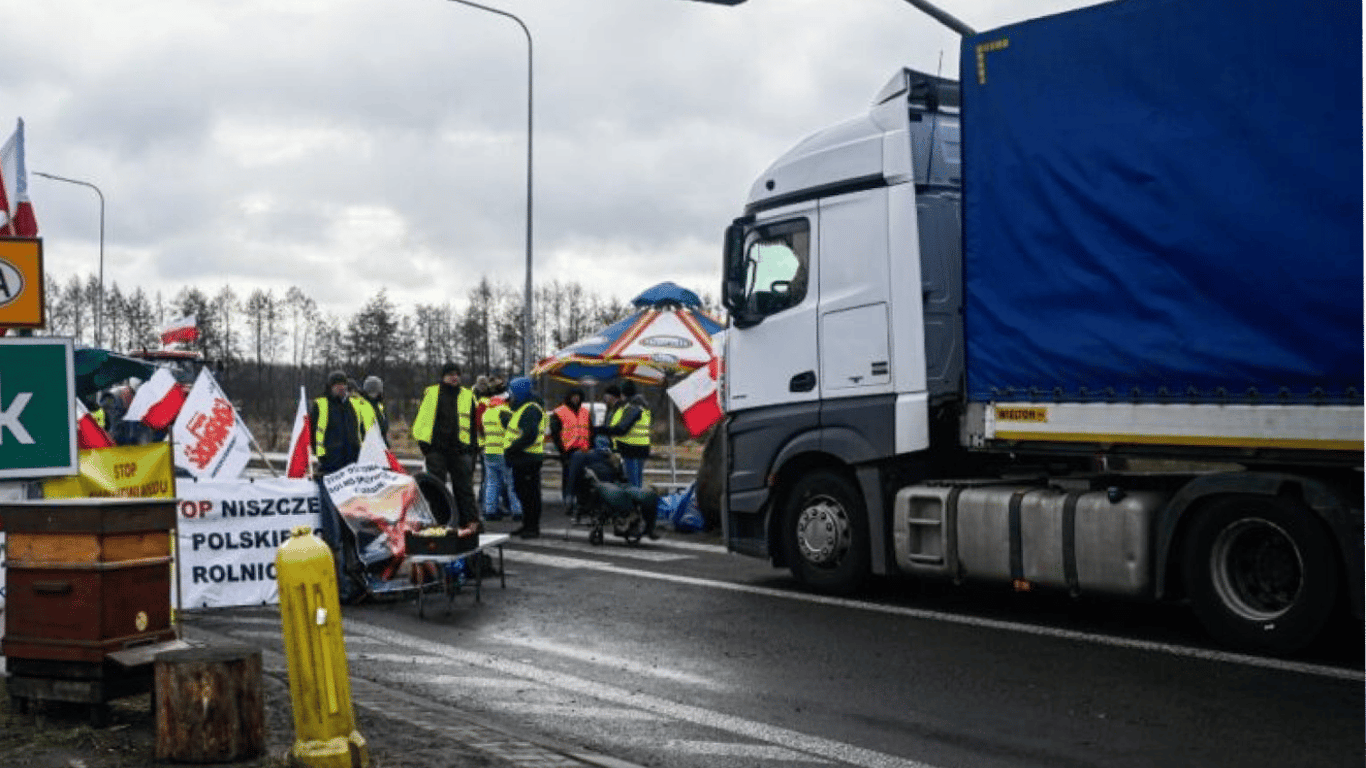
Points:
(319, 683)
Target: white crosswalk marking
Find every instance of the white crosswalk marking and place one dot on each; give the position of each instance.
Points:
(458, 683)
(805, 746)
(613, 547)
(728, 749)
(577, 712)
(624, 665)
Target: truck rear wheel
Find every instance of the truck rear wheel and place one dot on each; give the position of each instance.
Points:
(1261, 573)
(825, 533)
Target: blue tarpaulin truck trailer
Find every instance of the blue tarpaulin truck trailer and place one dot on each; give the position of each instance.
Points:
(1089, 319)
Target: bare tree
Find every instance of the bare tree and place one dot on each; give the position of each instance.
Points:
(115, 319)
(225, 306)
(142, 322)
(301, 310)
(262, 312)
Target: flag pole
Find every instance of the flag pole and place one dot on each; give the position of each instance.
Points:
(673, 442)
(259, 452)
(254, 444)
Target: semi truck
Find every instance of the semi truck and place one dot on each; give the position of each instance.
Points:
(1086, 319)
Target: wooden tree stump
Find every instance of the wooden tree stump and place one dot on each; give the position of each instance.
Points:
(210, 707)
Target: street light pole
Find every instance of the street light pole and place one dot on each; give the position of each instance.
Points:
(99, 300)
(526, 298)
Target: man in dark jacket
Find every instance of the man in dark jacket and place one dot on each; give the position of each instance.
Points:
(612, 486)
(338, 429)
(337, 426)
(525, 448)
(446, 429)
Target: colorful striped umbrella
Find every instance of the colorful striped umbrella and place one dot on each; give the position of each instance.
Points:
(666, 338)
(668, 335)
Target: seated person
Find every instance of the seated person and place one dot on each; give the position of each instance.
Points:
(611, 480)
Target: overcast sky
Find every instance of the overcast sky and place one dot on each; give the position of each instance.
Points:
(351, 145)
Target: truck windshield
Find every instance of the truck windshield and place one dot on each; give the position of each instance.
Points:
(777, 258)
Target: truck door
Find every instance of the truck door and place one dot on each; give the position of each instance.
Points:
(772, 356)
(855, 354)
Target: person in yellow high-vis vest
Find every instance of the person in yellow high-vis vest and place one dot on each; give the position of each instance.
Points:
(497, 478)
(338, 426)
(523, 451)
(628, 424)
(445, 428)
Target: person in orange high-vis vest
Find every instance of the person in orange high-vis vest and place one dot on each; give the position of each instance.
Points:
(571, 426)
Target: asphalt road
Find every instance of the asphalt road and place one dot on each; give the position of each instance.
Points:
(676, 654)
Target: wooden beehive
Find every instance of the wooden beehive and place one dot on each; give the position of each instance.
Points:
(86, 577)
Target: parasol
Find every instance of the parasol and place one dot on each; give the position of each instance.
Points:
(97, 369)
(667, 337)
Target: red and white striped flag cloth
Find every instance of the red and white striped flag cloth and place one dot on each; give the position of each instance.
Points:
(158, 401)
(89, 434)
(16, 218)
(374, 451)
(185, 329)
(299, 445)
(698, 399)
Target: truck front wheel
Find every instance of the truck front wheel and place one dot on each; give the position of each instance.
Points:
(825, 533)
(1261, 573)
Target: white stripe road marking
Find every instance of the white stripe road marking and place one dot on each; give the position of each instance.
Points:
(795, 740)
(606, 659)
(459, 683)
(278, 635)
(1281, 665)
(576, 712)
(396, 658)
(728, 749)
(652, 554)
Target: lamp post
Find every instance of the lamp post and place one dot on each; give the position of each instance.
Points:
(526, 299)
(938, 14)
(99, 300)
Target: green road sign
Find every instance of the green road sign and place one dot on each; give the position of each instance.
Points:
(37, 400)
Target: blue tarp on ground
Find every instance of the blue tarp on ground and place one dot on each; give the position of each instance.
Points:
(1165, 195)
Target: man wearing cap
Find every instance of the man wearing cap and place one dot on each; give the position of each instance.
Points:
(338, 426)
(524, 449)
(445, 428)
(628, 424)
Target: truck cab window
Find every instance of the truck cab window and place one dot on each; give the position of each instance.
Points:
(777, 257)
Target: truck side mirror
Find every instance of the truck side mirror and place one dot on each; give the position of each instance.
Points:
(733, 280)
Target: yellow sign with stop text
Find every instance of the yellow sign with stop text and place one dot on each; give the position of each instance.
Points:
(136, 471)
(21, 283)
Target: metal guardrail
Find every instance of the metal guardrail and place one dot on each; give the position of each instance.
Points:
(656, 477)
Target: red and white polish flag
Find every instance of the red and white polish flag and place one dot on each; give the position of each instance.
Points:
(374, 451)
(186, 329)
(89, 434)
(299, 445)
(698, 399)
(157, 402)
(17, 213)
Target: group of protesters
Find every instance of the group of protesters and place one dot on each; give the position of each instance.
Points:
(504, 426)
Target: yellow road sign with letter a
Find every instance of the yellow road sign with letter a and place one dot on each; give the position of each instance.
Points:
(21, 283)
